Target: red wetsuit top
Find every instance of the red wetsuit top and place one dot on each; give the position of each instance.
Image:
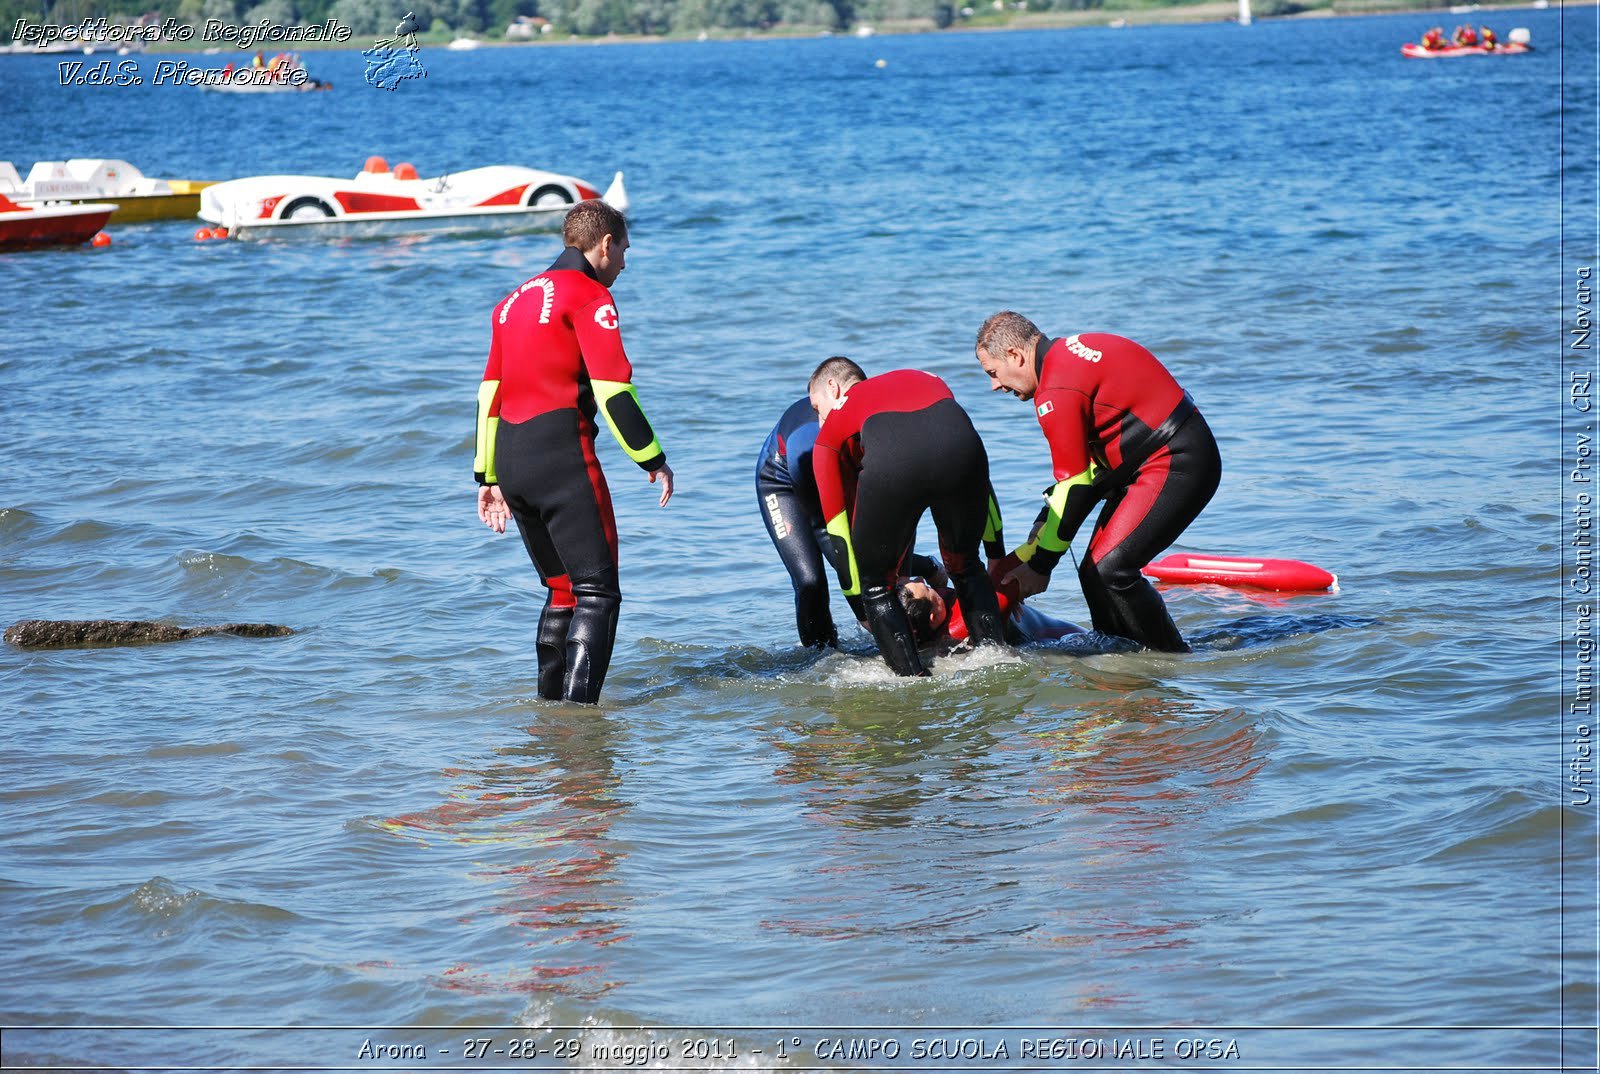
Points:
(556, 345)
(1105, 405)
(838, 455)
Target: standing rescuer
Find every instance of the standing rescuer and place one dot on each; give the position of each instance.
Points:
(1121, 431)
(555, 360)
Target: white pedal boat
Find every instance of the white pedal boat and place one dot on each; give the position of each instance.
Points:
(384, 202)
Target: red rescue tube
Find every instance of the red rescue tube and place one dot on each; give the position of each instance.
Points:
(1285, 575)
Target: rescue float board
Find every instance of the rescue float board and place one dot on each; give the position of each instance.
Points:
(1284, 575)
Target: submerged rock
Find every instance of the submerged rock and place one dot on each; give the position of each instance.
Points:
(83, 633)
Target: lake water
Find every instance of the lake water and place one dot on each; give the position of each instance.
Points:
(1338, 834)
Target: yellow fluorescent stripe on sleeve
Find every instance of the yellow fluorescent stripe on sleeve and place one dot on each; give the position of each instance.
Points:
(607, 390)
(993, 528)
(483, 460)
(839, 527)
(1025, 552)
(1050, 533)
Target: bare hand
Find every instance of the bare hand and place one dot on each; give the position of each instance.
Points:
(665, 475)
(492, 509)
(1029, 581)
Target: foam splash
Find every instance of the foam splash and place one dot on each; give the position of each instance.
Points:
(867, 669)
(159, 900)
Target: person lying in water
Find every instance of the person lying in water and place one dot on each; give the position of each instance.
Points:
(935, 615)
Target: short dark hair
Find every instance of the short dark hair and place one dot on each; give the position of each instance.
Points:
(839, 368)
(919, 613)
(590, 221)
(1005, 330)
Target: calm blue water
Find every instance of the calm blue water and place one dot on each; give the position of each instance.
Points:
(1345, 810)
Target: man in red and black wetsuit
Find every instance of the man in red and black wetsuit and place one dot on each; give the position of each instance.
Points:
(1121, 430)
(555, 359)
(787, 490)
(890, 448)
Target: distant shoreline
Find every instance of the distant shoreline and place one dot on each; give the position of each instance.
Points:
(1191, 14)
(1206, 11)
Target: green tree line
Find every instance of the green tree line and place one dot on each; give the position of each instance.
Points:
(490, 18)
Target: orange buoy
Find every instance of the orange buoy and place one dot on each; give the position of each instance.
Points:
(219, 233)
(100, 239)
(376, 164)
(202, 234)
(405, 170)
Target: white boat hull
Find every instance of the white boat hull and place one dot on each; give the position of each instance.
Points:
(495, 198)
(375, 225)
(261, 87)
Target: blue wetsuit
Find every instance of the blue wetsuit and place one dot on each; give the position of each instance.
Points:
(787, 492)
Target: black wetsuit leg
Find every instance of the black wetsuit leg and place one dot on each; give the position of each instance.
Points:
(552, 482)
(591, 636)
(551, 646)
(550, 642)
(1138, 522)
(793, 535)
(960, 513)
(886, 618)
(890, 499)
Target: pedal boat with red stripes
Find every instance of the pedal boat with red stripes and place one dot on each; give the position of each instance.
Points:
(52, 223)
(379, 201)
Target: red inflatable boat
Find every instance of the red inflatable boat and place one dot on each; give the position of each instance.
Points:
(1414, 51)
(1287, 575)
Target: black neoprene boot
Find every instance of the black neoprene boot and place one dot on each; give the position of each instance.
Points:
(979, 606)
(1141, 615)
(887, 621)
(590, 637)
(551, 646)
(1102, 613)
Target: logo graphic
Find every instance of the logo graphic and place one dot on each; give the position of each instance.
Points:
(606, 317)
(542, 283)
(1082, 350)
(388, 63)
(780, 525)
(1045, 408)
